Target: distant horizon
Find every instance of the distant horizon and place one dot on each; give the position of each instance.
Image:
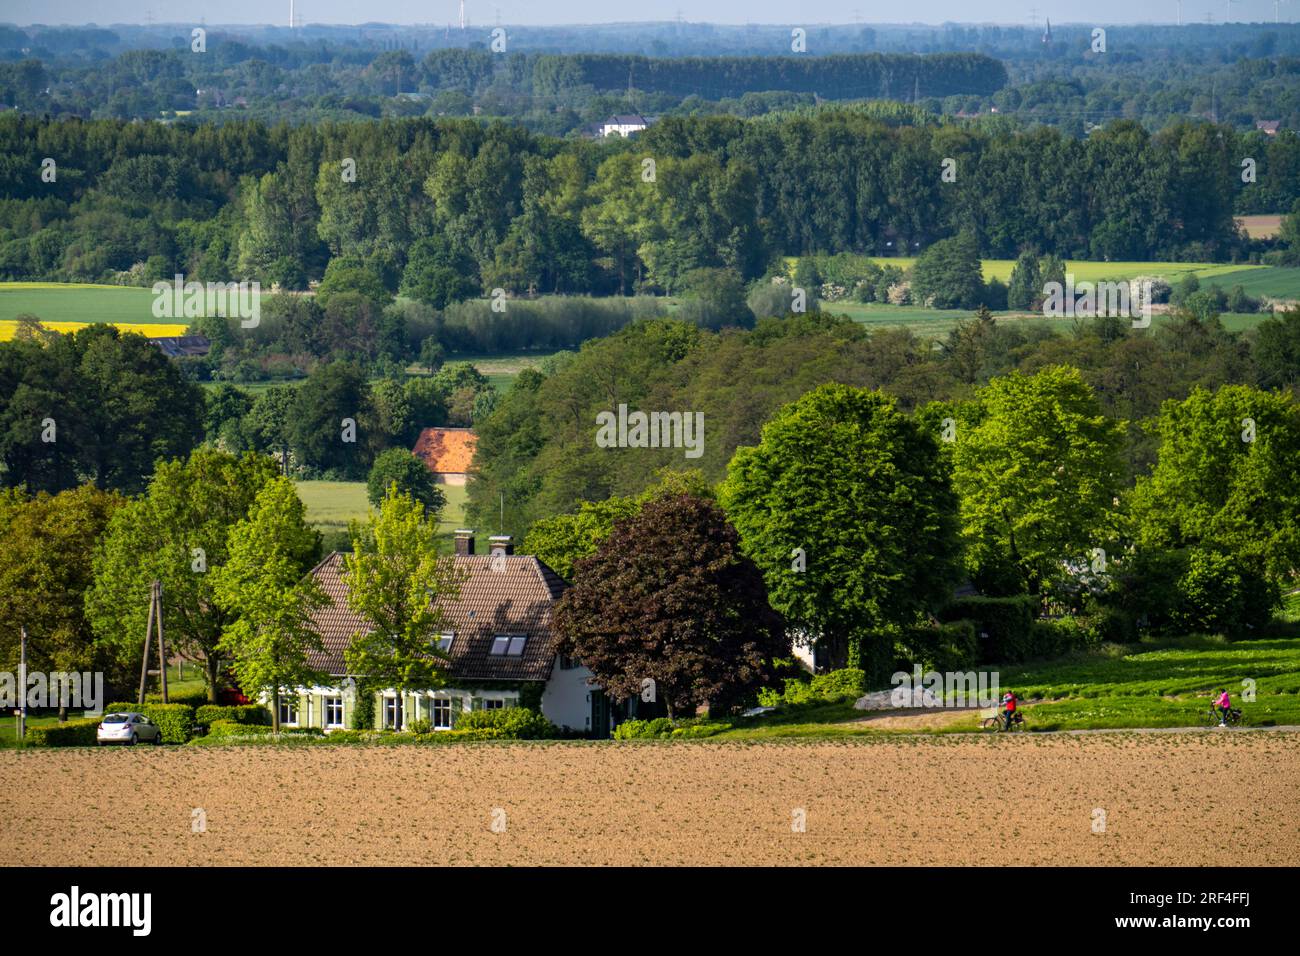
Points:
(438, 24)
(602, 13)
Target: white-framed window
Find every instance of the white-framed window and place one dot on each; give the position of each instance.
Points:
(440, 713)
(508, 645)
(289, 711)
(393, 713)
(493, 703)
(444, 642)
(333, 711)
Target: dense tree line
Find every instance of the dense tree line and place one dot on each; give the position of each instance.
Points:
(94, 406)
(841, 76)
(444, 210)
(538, 449)
(556, 80)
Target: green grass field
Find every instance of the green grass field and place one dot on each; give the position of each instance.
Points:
(59, 302)
(500, 368)
(1257, 280)
(929, 323)
(1156, 684)
(332, 504)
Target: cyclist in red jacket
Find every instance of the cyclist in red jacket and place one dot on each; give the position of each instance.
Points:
(1008, 708)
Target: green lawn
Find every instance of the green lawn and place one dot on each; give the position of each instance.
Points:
(57, 302)
(1166, 684)
(332, 504)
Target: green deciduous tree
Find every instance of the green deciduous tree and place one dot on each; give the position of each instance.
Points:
(1038, 477)
(846, 507)
(262, 586)
(177, 533)
(1227, 478)
(46, 549)
(395, 579)
(399, 467)
(948, 276)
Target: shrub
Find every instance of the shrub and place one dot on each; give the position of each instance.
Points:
(1110, 625)
(835, 685)
(1220, 592)
(195, 698)
(643, 729)
(661, 728)
(831, 686)
(468, 733)
(232, 728)
(240, 714)
(220, 729)
(71, 733)
(796, 691)
(176, 720)
(515, 723)
(1058, 636)
(948, 647)
(1005, 625)
(363, 712)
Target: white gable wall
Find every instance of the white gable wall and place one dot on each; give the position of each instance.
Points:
(566, 701)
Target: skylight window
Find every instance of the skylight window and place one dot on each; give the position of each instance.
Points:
(508, 645)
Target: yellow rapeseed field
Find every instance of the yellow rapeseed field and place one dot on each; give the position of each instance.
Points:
(151, 329)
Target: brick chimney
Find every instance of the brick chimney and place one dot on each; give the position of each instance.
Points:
(501, 544)
(464, 540)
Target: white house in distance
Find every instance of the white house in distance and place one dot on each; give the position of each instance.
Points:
(498, 638)
(623, 125)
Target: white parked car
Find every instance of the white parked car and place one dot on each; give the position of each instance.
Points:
(129, 729)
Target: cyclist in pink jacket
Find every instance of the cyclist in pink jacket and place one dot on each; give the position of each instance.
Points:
(1223, 705)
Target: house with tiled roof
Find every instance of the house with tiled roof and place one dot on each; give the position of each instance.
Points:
(497, 639)
(448, 453)
(623, 125)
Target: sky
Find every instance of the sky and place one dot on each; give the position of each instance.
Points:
(533, 12)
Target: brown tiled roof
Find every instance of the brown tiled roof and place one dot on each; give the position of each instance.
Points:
(447, 451)
(516, 599)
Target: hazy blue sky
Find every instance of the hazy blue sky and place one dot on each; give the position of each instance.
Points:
(602, 11)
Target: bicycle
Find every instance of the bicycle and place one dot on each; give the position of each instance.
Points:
(1213, 718)
(998, 723)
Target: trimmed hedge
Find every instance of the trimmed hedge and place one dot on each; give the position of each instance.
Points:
(176, 720)
(233, 728)
(70, 733)
(948, 647)
(253, 714)
(1005, 625)
(195, 698)
(515, 723)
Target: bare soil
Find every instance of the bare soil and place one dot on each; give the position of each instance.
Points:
(1026, 799)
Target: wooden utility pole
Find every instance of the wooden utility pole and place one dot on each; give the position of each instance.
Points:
(155, 615)
(22, 684)
(162, 645)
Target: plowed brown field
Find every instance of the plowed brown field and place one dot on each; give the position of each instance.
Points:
(1185, 798)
